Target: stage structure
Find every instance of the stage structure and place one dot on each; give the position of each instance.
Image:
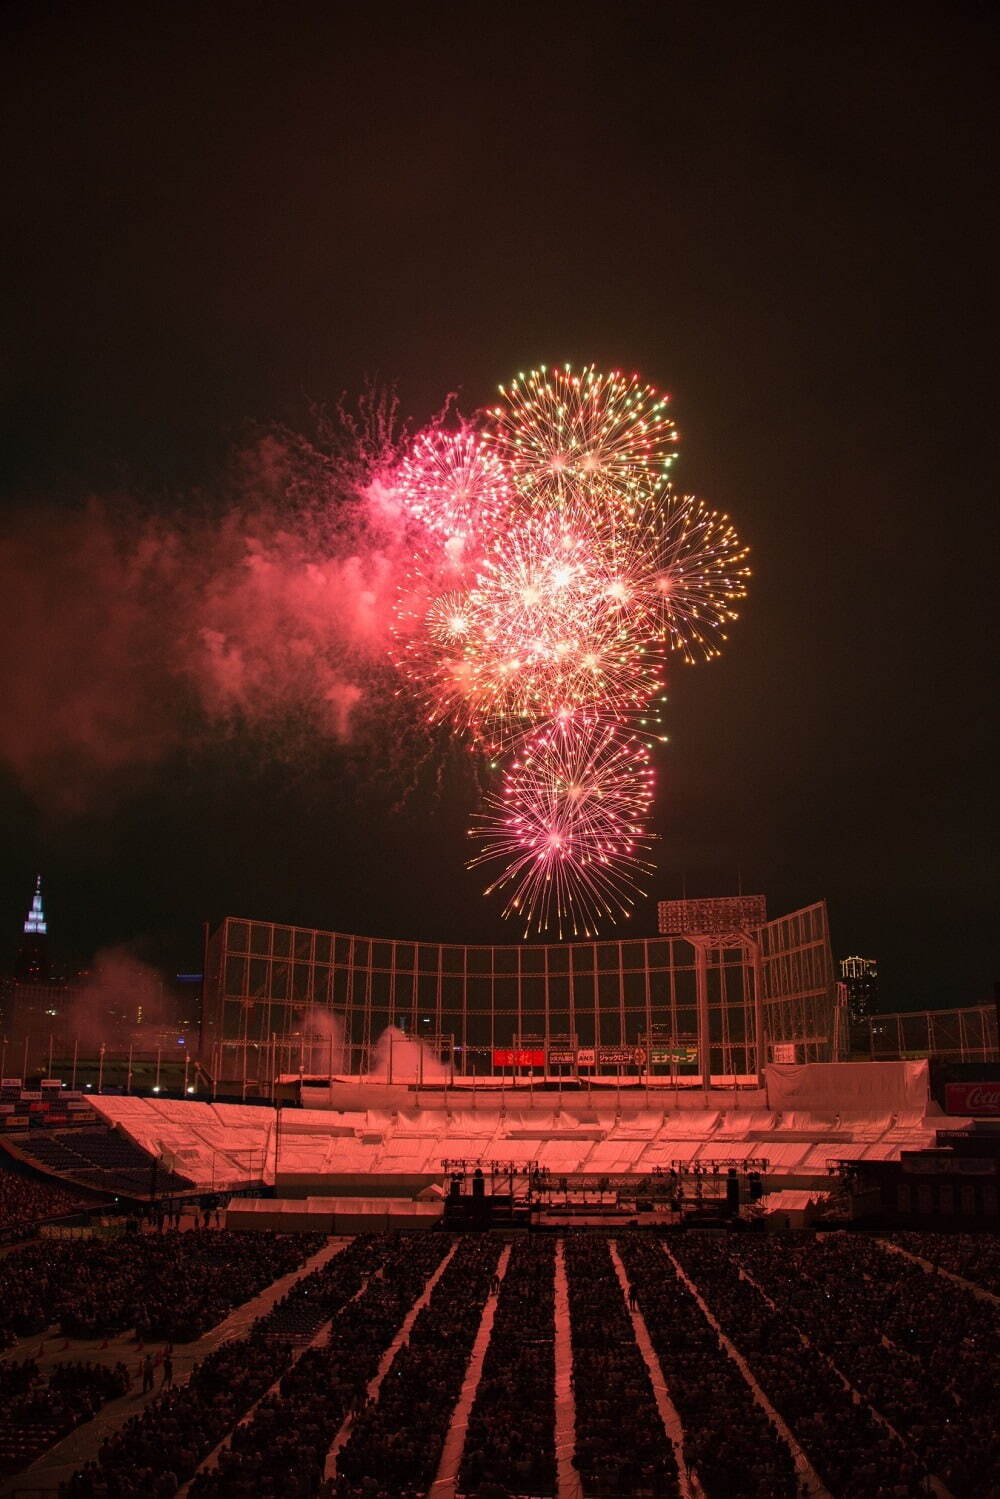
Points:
(719, 994)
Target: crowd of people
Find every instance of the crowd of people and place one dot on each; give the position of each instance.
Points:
(510, 1440)
(621, 1444)
(975, 1257)
(38, 1407)
(159, 1448)
(919, 1347)
(169, 1286)
(854, 1453)
(162, 1447)
(395, 1443)
(731, 1445)
(881, 1370)
(27, 1200)
(281, 1453)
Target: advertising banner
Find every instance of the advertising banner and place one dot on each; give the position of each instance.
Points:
(682, 1055)
(621, 1056)
(562, 1058)
(979, 1099)
(603, 1056)
(927, 1162)
(521, 1058)
(943, 1163)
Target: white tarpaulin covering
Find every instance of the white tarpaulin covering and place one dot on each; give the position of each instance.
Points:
(729, 1149)
(783, 1155)
(874, 1089)
(333, 1215)
(739, 1122)
(562, 1156)
(609, 1155)
(818, 1112)
(791, 1207)
(689, 1124)
(819, 1155)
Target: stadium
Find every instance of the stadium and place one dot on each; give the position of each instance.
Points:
(618, 1204)
(386, 1204)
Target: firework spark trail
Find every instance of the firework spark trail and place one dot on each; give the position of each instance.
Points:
(554, 572)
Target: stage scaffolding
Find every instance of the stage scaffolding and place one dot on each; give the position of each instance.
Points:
(719, 1003)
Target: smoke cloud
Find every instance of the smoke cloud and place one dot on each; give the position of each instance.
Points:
(405, 1058)
(122, 998)
(323, 1047)
(129, 636)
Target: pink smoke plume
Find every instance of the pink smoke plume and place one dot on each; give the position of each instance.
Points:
(120, 997)
(129, 636)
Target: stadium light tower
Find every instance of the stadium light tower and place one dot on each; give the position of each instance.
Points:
(710, 926)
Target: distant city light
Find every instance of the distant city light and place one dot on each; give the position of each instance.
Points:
(35, 922)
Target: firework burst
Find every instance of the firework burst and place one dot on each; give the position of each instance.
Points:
(560, 432)
(553, 574)
(569, 826)
(678, 570)
(545, 632)
(453, 484)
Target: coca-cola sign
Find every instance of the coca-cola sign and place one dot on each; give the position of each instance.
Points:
(979, 1099)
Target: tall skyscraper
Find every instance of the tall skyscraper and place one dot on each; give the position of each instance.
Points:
(860, 975)
(32, 965)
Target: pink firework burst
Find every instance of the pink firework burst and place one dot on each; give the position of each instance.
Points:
(569, 825)
(453, 483)
(545, 633)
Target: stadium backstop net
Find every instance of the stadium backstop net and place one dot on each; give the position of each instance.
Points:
(719, 992)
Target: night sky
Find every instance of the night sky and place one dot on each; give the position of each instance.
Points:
(785, 215)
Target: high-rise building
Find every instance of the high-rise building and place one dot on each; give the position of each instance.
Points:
(860, 975)
(32, 965)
